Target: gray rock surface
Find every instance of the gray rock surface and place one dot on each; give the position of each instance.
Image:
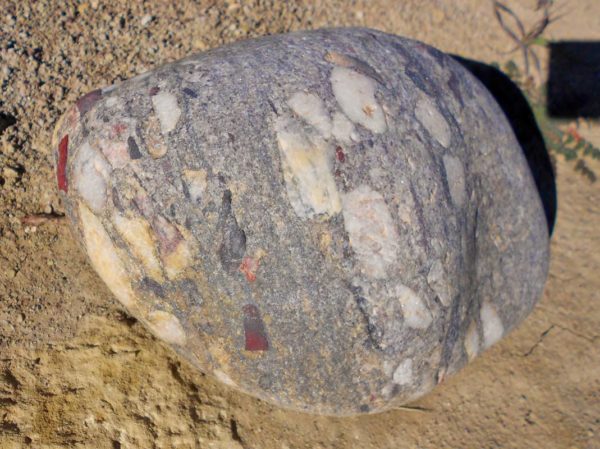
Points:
(333, 221)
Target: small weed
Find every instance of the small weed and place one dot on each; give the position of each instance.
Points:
(560, 139)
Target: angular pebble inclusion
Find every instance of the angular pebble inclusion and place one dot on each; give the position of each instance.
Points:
(333, 221)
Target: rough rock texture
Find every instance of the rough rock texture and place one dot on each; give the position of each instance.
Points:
(332, 221)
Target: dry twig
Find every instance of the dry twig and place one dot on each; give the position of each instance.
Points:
(39, 219)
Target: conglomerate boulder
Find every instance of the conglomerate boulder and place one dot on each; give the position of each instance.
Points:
(332, 221)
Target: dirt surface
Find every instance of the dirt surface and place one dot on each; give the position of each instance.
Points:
(76, 371)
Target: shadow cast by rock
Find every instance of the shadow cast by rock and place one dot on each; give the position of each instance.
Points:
(574, 74)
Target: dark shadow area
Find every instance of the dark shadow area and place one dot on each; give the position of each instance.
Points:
(521, 118)
(574, 79)
(6, 120)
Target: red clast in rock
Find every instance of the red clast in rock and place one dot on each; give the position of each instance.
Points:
(61, 166)
(249, 267)
(254, 330)
(85, 103)
(119, 129)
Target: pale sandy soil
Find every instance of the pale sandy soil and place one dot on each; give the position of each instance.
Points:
(76, 372)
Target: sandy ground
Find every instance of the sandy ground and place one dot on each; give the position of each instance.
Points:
(76, 371)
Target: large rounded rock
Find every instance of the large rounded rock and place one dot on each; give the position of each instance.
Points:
(333, 221)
